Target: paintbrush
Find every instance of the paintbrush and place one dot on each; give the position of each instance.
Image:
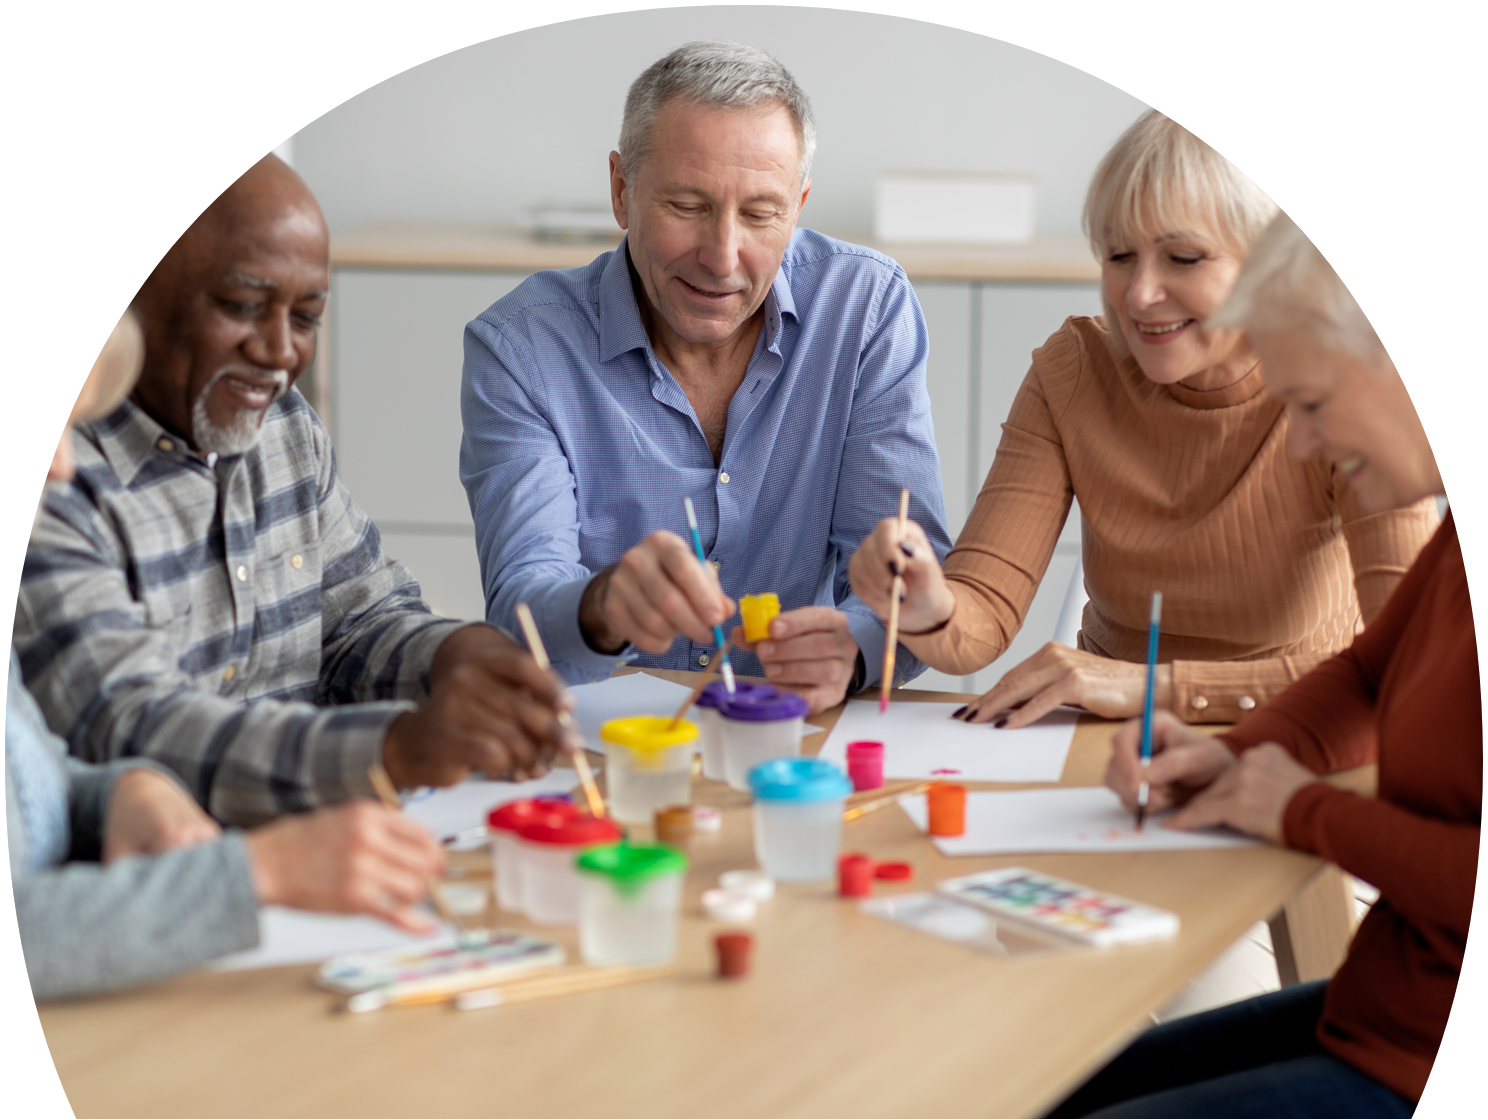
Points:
(892, 638)
(540, 985)
(864, 808)
(698, 688)
(394, 804)
(697, 546)
(580, 759)
(1153, 622)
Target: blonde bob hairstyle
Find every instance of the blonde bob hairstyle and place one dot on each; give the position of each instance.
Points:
(1159, 178)
(1287, 284)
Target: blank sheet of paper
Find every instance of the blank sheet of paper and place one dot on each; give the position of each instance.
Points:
(923, 741)
(294, 937)
(637, 694)
(445, 812)
(1060, 820)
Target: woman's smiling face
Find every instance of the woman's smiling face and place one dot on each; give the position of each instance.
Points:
(1161, 288)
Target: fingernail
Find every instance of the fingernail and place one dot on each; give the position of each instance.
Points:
(971, 714)
(959, 712)
(906, 548)
(1001, 723)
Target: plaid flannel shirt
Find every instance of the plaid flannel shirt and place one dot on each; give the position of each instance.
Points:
(233, 618)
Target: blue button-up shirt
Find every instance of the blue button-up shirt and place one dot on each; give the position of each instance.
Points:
(579, 443)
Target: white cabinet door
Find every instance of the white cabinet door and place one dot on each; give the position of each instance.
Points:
(396, 359)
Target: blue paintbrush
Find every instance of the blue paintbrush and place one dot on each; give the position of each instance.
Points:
(1153, 623)
(697, 546)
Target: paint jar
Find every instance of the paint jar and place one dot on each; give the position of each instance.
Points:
(733, 954)
(648, 765)
(865, 762)
(630, 902)
(855, 875)
(547, 850)
(758, 727)
(674, 826)
(710, 723)
(946, 803)
(757, 611)
(504, 821)
(798, 817)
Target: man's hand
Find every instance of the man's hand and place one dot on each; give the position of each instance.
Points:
(928, 601)
(149, 813)
(357, 858)
(490, 708)
(1184, 761)
(658, 590)
(810, 651)
(1058, 675)
(1250, 796)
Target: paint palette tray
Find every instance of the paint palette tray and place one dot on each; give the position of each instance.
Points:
(1060, 908)
(485, 958)
(943, 917)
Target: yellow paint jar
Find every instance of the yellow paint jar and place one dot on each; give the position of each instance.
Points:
(757, 610)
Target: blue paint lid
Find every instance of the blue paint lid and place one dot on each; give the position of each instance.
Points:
(717, 692)
(764, 705)
(798, 779)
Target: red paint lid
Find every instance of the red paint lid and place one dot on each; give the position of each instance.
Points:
(893, 871)
(514, 814)
(572, 831)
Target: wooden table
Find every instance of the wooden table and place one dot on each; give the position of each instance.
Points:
(843, 1015)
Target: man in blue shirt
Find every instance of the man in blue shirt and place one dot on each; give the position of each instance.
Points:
(773, 375)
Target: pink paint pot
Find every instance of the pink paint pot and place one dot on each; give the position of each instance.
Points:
(865, 765)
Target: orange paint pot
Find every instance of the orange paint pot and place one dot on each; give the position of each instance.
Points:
(947, 804)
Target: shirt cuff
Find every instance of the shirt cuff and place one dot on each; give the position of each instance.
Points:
(555, 609)
(347, 742)
(1222, 691)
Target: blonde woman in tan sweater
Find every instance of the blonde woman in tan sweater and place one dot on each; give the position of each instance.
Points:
(1162, 428)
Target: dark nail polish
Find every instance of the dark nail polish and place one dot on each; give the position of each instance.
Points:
(1000, 724)
(906, 548)
(959, 712)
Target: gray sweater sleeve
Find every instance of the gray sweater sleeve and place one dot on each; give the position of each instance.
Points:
(87, 928)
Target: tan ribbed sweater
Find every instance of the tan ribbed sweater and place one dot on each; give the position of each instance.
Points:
(1187, 492)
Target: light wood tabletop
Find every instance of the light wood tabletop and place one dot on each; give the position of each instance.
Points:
(843, 1013)
(417, 245)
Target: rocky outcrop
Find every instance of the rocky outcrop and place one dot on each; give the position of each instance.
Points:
(142, 240)
(1390, 249)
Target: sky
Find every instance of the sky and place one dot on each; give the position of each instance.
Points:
(1348, 115)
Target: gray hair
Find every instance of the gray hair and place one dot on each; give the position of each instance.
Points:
(1287, 284)
(719, 74)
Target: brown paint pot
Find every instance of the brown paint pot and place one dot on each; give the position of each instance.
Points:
(674, 825)
(733, 954)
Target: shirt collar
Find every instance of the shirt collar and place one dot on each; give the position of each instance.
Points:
(130, 440)
(620, 326)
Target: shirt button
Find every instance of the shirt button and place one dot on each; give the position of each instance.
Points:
(211, 459)
(717, 565)
(296, 561)
(723, 477)
(242, 573)
(230, 672)
(1200, 702)
(703, 659)
(1246, 703)
(165, 444)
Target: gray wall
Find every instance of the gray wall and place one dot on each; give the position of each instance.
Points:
(480, 134)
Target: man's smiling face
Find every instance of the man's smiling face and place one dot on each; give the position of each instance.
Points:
(710, 212)
(230, 314)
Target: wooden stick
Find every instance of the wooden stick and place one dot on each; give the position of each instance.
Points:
(541, 985)
(899, 789)
(862, 810)
(394, 804)
(894, 595)
(702, 684)
(580, 759)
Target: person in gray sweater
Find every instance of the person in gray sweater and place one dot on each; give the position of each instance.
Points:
(120, 877)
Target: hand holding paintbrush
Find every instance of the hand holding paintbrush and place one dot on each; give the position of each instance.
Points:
(580, 759)
(891, 638)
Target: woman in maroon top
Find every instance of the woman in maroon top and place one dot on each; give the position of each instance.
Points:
(1405, 695)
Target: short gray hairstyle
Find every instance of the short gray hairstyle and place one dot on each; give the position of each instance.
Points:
(1287, 284)
(719, 74)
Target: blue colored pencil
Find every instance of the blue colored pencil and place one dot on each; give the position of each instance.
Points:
(1153, 623)
(697, 546)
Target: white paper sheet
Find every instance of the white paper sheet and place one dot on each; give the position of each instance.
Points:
(637, 694)
(1060, 820)
(923, 741)
(446, 812)
(294, 937)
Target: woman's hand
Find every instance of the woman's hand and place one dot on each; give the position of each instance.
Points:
(357, 858)
(1184, 761)
(927, 601)
(149, 813)
(1058, 675)
(1251, 796)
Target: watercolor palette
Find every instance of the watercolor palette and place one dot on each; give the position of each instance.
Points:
(1060, 907)
(487, 958)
